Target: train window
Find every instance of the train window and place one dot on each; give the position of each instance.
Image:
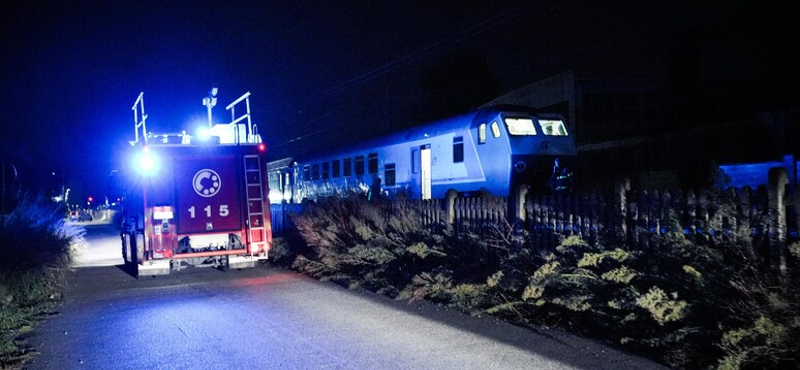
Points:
(335, 168)
(495, 129)
(315, 171)
(325, 170)
(520, 126)
(373, 163)
(458, 149)
(359, 165)
(389, 174)
(482, 133)
(306, 172)
(348, 167)
(554, 127)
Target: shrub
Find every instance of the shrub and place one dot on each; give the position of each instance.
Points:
(689, 300)
(36, 234)
(35, 248)
(360, 243)
(762, 322)
(387, 248)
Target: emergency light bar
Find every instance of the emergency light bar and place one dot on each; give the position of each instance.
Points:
(240, 130)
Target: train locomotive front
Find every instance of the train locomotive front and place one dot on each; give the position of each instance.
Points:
(519, 146)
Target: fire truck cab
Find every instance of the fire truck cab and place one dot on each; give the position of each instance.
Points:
(196, 200)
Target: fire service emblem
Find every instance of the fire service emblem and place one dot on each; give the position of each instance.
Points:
(206, 183)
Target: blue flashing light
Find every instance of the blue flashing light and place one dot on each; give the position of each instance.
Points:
(203, 133)
(146, 162)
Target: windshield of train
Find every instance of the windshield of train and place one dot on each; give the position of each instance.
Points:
(519, 126)
(554, 127)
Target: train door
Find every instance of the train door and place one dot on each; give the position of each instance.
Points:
(425, 167)
(421, 171)
(425, 171)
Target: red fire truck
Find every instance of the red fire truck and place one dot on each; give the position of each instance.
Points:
(196, 200)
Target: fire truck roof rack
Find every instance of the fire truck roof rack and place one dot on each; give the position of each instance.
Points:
(236, 132)
(251, 136)
(136, 123)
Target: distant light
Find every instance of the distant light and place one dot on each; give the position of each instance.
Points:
(91, 199)
(262, 147)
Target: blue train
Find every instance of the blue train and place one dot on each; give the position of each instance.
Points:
(492, 149)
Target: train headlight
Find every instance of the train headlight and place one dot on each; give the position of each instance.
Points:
(146, 162)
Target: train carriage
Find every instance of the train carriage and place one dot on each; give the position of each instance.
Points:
(492, 150)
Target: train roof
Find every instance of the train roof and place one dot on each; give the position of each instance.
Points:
(435, 128)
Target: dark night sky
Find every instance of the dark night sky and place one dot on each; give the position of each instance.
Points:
(72, 70)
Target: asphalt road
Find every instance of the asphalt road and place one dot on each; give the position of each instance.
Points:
(103, 245)
(269, 318)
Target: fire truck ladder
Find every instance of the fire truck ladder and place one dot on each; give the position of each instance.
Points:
(255, 203)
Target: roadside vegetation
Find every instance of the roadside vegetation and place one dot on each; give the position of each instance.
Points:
(687, 302)
(35, 247)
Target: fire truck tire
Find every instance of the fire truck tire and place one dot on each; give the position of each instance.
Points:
(124, 249)
(127, 246)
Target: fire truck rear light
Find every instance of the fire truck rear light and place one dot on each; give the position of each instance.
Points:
(262, 147)
(163, 215)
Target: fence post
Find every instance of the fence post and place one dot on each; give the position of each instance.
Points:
(449, 206)
(519, 205)
(519, 213)
(778, 178)
(621, 188)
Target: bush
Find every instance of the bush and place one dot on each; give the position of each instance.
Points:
(359, 243)
(762, 324)
(36, 234)
(604, 292)
(385, 247)
(690, 301)
(35, 248)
